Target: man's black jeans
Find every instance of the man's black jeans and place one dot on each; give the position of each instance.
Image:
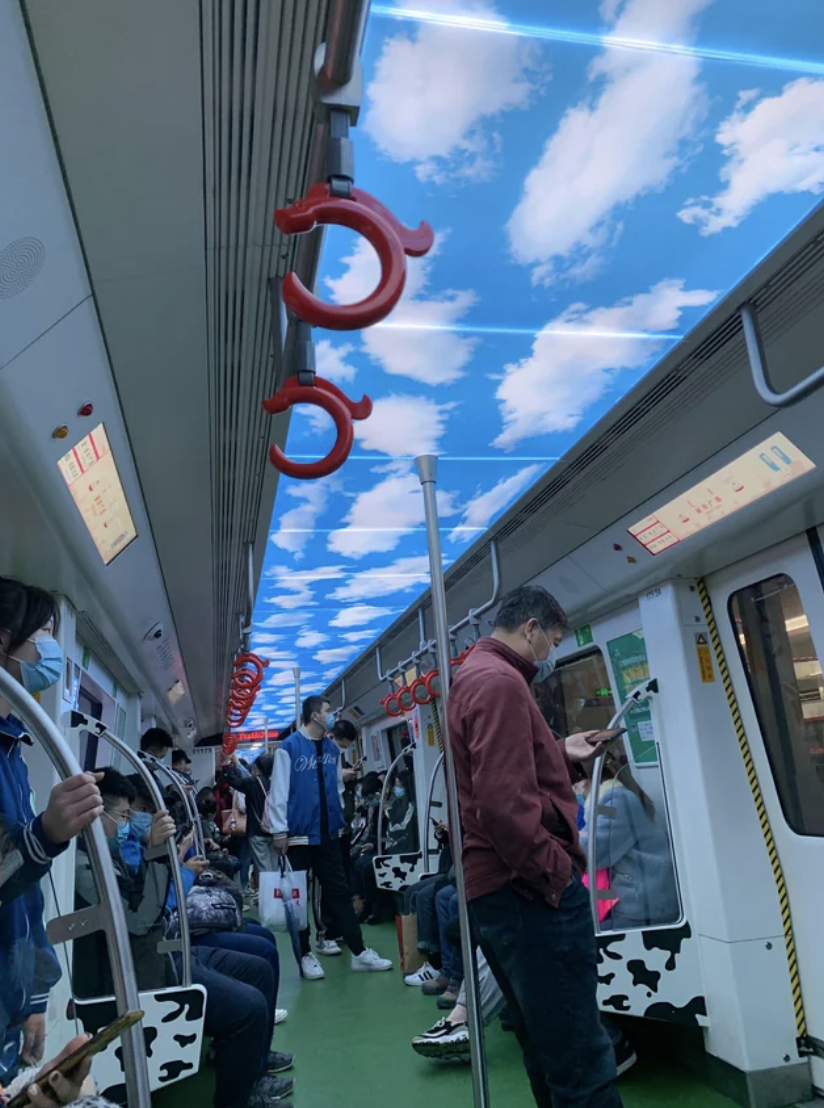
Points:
(326, 862)
(545, 961)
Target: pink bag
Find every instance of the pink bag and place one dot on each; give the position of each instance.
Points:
(602, 884)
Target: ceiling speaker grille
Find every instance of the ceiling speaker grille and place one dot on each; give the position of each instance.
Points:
(20, 263)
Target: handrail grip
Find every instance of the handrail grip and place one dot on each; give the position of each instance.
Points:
(758, 366)
(135, 1071)
(171, 847)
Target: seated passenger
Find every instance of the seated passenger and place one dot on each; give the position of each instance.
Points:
(240, 987)
(419, 900)
(402, 832)
(368, 901)
(634, 847)
(449, 1038)
(447, 985)
(29, 967)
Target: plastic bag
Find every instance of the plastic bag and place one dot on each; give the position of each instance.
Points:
(283, 891)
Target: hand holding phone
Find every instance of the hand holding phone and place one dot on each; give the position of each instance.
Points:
(606, 736)
(61, 1080)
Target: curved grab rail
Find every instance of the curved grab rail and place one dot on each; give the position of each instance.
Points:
(322, 394)
(758, 366)
(427, 853)
(643, 692)
(391, 240)
(79, 722)
(108, 915)
(182, 790)
(407, 751)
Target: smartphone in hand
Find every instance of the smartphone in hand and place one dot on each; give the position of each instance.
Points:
(607, 736)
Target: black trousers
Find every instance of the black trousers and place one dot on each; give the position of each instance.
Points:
(326, 863)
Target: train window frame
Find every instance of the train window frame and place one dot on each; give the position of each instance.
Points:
(564, 664)
(780, 745)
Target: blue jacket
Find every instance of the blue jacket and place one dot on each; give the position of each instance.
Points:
(637, 853)
(294, 800)
(29, 968)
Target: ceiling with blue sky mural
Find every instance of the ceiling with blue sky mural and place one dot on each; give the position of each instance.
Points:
(598, 175)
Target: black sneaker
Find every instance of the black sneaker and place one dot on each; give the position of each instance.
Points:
(279, 1063)
(258, 1100)
(444, 1040)
(625, 1056)
(274, 1088)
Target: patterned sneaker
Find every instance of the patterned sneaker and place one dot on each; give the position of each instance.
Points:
(424, 974)
(274, 1088)
(370, 962)
(279, 1063)
(329, 948)
(436, 987)
(281, 1015)
(310, 968)
(444, 1040)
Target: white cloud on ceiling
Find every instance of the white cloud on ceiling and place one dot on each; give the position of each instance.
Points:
(297, 523)
(380, 518)
(330, 361)
(484, 506)
(282, 575)
(565, 374)
(308, 640)
(437, 90)
(403, 574)
(410, 347)
(281, 619)
(283, 679)
(404, 426)
(773, 145)
(301, 596)
(624, 140)
(359, 636)
(265, 639)
(358, 614)
(335, 654)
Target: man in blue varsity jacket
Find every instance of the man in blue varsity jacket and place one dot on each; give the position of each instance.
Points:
(306, 820)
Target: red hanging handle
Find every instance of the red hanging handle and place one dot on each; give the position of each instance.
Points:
(323, 394)
(390, 238)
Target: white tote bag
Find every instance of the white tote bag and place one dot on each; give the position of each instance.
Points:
(283, 899)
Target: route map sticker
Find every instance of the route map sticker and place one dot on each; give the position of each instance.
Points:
(628, 656)
(90, 471)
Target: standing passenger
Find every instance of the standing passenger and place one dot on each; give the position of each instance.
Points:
(306, 814)
(254, 785)
(522, 859)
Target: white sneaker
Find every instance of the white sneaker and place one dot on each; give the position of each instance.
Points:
(311, 968)
(424, 974)
(281, 1015)
(329, 948)
(370, 962)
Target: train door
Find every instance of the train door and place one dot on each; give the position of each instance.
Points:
(770, 615)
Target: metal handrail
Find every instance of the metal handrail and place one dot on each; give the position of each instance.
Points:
(403, 754)
(758, 366)
(182, 790)
(107, 916)
(79, 721)
(426, 850)
(643, 692)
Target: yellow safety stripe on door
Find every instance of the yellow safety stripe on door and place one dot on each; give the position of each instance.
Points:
(436, 719)
(761, 809)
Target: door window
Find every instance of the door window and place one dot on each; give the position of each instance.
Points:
(787, 687)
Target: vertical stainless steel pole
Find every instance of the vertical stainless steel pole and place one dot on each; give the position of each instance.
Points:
(266, 735)
(296, 675)
(427, 467)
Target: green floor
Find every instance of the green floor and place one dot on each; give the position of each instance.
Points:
(350, 1036)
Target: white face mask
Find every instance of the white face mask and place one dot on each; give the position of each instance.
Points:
(546, 666)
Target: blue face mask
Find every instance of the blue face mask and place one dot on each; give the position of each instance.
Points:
(47, 671)
(142, 825)
(399, 791)
(123, 830)
(546, 667)
(330, 721)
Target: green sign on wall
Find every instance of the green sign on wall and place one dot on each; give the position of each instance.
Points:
(583, 636)
(86, 657)
(628, 656)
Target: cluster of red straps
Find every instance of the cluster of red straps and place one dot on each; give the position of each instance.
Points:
(423, 690)
(392, 242)
(247, 677)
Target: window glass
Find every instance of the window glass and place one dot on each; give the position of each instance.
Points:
(400, 819)
(634, 861)
(787, 688)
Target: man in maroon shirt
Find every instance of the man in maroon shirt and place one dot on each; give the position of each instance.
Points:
(529, 909)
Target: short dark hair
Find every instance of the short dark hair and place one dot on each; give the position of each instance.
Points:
(530, 602)
(114, 786)
(344, 731)
(371, 784)
(264, 764)
(156, 738)
(25, 609)
(179, 756)
(311, 705)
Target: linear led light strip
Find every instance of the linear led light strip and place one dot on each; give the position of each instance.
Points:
(592, 38)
